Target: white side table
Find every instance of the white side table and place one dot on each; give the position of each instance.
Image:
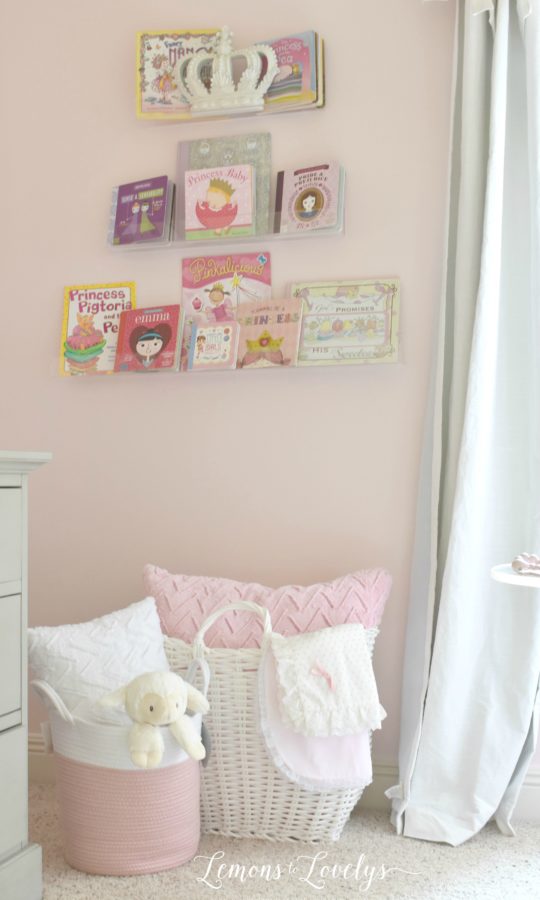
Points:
(506, 573)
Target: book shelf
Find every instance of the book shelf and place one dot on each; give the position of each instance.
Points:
(224, 245)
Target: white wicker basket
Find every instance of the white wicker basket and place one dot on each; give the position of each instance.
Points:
(243, 794)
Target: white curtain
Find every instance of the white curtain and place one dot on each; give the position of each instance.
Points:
(472, 660)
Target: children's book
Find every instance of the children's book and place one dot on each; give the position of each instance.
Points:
(310, 198)
(149, 340)
(90, 326)
(219, 202)
(143, 211)
(213, 346)
(237, 149)
(299, 81)
(346, 322)
(269, 333)
(214, 286)
(160, 56)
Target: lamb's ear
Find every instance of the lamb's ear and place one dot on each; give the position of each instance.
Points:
(114, 700)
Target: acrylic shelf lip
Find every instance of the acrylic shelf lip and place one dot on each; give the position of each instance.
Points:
(226, 244)
(506, 574)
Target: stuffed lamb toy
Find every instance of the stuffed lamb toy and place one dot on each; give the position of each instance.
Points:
(155, 699)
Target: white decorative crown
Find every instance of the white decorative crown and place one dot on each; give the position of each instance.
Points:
(210, 84)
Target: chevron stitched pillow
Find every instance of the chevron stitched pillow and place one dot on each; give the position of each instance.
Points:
(184, 602)
(84, 662)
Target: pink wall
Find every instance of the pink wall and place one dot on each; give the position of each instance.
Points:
(275, 476)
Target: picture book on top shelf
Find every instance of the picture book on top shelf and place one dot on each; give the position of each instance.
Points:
(213, 347)
(90, 326)
(142, 211)
(149, 340)
(269, 333)
(214, 286)
(219, 202)
(310, 198)
(238, 149)
(299, 83)
(159, 55)
(348, 322)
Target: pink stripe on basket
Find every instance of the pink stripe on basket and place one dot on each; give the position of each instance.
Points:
(118, 822)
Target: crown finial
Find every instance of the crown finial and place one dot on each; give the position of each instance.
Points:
(211, 82)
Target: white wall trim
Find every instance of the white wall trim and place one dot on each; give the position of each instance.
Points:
(41, 771)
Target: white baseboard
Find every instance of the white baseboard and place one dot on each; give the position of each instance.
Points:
(41, 771)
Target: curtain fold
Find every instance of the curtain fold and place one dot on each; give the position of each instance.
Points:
(472, 659)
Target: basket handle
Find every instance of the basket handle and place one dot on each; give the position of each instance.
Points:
(50, 698)
(199, 663)
(245, 605)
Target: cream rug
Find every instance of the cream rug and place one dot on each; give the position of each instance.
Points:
(369, 860)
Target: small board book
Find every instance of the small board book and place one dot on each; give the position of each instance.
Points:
(219, 202)
(214, 286)
(310, 198)
(300, 79)
(347, 322)
(142, 211)
(90, 326)
(213, 346)
(269, 333)
(253, 149)
(159, 59)
(149, 340)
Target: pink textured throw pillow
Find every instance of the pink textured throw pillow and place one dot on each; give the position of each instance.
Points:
(185, 601)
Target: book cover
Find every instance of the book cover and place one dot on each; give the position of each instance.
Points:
(214, 286)
(160, 56)
(296, 81)
(90, 326)
(213, 346)
(149, 340)
(309, 198)
(143, 210)
(219, 202)
(237, 149)
(346, 322)
(269, 333)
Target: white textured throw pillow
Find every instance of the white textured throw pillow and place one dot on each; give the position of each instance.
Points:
(84, 662)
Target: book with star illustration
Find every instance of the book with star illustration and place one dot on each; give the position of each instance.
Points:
(219, 202)
(213, 287)
(269, 333)
(348, 322)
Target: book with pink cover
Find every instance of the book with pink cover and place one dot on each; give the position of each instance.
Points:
(213, 287)
(269, 333)
(149, 340)
(310, 198)
(219, 202)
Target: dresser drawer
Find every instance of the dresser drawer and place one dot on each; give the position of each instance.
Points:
(10, 534)
(10, 654)
(13, 791)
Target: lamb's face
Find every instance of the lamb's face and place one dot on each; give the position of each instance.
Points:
(157, 709)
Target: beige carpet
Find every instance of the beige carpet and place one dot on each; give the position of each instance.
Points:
(489, 867)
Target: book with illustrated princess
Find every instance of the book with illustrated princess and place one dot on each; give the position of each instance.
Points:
(90, 326)
(348, 322)
(254, 149)
(149, 340)
(300, 79)
(160, 56)
(214, 286)
(219, 202)
(269, 333)
(310, 198)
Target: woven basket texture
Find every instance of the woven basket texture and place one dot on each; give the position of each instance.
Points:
(243, 794)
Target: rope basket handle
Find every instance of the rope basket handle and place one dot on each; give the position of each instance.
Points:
(51, 699)
(242, 605)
